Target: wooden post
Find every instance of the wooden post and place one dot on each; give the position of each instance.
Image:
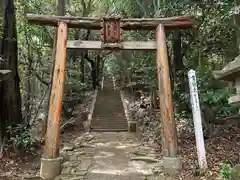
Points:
(165, 96)
(196, 110)
(52, 141)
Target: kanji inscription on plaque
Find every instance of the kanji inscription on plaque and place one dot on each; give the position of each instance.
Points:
(111, 33)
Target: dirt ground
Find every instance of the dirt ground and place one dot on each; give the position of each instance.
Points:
(223, 145)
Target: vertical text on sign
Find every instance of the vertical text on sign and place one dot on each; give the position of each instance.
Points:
(197, 120)
(111, 33)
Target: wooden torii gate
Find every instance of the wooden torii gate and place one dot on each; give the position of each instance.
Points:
(111, 38)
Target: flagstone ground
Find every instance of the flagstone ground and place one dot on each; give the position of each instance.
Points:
(109, 156)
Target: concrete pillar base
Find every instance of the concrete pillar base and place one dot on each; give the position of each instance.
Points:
(172, 165)
(132, 126)
(50, 168)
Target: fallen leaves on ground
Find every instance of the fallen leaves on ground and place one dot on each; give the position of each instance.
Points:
(222, 145)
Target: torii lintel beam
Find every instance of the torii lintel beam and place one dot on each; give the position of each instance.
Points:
(178, 22)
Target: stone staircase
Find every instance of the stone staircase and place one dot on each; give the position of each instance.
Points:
(108, 115)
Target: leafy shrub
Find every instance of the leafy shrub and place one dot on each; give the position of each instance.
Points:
(226, 171)
(20, 137)
(213, 94)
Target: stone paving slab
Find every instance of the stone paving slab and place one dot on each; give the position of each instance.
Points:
(109, 156)
(99, 176)
(122, 177)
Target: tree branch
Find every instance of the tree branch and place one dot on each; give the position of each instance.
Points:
(40, 79)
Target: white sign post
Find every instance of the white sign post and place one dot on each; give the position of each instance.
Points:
(197, 119)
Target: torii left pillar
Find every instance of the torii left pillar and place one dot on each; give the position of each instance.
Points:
(51, 162)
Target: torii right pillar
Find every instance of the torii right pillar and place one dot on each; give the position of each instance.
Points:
(171, 162)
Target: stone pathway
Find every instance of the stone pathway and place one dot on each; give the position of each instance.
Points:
(109, 156)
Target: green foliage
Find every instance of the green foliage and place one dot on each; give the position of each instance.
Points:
(209, 47)
(212, 93)
(226, 171)
(20, 137)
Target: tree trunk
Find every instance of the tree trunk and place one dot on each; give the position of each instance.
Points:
(95, 65)
(29, 84)
(3, 116)
(9, 54)
(94, 75)
(98, 70)
(237, 23)
(178, 59)
(76, 37)
(10, 89)
(82, 67)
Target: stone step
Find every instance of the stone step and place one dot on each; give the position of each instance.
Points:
(106, 106)
(114, 111)
(108, 114)
(117, 126)
(109, 97)
(112, 120)
(101, 107)
(110, 111)
(111, 129)
(108, 92)
(108, 130)
(109, 120)
(103, 122)
(122, 122)
(109, 123)
(108, 117)
(115, 101)
(112, 99)
(107, 103)
(101, 126)
(106, 100)
(106, 109)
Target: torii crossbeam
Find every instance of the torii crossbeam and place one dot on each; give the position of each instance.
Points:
(111, 38)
